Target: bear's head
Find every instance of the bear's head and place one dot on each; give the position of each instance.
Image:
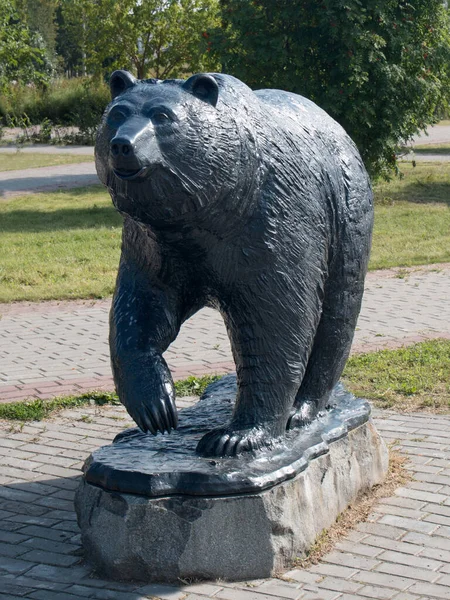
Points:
(177, 151)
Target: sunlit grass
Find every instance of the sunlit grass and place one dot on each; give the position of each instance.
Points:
(59, 245)
(22, 160)
(411, 378)
(64, 245)
(37, 410)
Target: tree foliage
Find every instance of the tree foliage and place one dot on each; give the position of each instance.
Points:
(379, 67)
(40, 18)
(161, 38)
(22, 53)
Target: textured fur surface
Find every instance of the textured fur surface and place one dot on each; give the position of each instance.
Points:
(254, 203)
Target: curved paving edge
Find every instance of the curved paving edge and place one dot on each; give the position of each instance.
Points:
(60, 348)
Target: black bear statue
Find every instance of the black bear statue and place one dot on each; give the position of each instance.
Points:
(255, 203)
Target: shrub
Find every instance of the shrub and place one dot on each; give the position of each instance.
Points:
(68, 102)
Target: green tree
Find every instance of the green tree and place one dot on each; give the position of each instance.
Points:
(22, 55)
(161, 38)
(40, 17)
(379, 67)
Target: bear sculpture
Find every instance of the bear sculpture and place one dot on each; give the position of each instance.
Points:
(253, 203)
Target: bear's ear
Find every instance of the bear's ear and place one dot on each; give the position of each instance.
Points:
(120, 81)
(204, 87)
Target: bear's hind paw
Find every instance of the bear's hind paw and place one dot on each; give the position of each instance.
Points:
(302, 415)
(225, 441)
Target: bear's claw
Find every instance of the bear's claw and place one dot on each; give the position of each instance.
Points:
(302, 415)
(158, 416)
(225, 441)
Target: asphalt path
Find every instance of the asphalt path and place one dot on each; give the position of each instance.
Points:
(439, 134)
(45, 179)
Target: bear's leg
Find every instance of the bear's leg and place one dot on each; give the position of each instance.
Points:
(145, 318)
(330, 350)
(267, 352)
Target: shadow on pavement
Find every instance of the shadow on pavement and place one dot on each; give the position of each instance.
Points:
(41, 548)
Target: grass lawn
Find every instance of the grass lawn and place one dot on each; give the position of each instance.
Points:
(423, 149)
(21, 160)
(59, 245)
(412, 378)
(64, 245)
(412, 217)
(36, 410)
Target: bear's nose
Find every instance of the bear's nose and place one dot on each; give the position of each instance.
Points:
(121, 147)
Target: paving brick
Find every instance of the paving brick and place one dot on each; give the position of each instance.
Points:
(14, 566)
(68, 526)
(278, 589)
(11, 550)
(23, 508)
(320, 595)
(443, 531)
(437, 509)
(430, 541)
(47, 595)
(350, 560)
(50, 558)
(436, 554)
(408, 524)
(381, 530)
(205, 589)
(388, 544)
(405, 571)
(339, 585)
(425, 486)
(164, 592)
(428, 589)
(105, 594)
(398, 511)
(59, 574)
(421, 495)
(361, 549)
(420, 562)
(43, 532)
(22, 520)
(402, 502)
(302, 576)
(333, 570)
(11, 588)
(378, 579)
(47, 545)
(11, 537)
(371, 591)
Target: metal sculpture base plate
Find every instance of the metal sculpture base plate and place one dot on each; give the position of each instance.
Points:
(138, 463)
(151, 510)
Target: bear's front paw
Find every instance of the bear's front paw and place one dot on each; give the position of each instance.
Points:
(302, 415)
(226, 441)
(156, 415)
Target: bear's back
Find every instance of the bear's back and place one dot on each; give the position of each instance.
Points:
(302, 118)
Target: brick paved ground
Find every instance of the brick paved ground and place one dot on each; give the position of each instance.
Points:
(61, 348)
(402, 552)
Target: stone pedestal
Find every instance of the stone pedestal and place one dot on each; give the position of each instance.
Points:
(151, 510)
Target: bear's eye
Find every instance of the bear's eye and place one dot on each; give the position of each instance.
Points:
(160, 118)
(117, 117)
